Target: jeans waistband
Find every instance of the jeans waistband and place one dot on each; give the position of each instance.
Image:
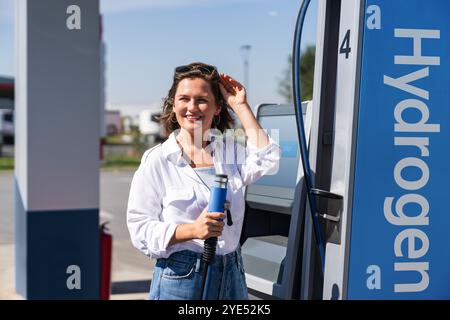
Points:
(219, 260)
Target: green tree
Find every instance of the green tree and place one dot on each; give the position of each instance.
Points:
(285, 84)
(139, 143)
(306, 76)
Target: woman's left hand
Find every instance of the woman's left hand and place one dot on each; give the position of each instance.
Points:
(233, 92)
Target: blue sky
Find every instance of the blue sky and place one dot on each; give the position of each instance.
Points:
(146, 39)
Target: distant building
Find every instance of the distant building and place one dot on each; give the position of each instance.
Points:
(6, 110)
(113, 122)
(130, 112)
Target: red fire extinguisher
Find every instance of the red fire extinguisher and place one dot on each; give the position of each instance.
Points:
(105, 263)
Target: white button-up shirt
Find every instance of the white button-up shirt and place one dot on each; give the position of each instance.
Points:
(166, 191)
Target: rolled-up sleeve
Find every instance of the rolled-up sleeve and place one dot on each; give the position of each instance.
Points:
(259, 162)
(148, 232)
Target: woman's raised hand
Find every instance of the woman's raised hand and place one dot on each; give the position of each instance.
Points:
(232, 91)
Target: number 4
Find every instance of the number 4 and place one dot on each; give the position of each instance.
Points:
(345, 46)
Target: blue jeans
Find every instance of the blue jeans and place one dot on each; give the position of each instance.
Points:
(179, 277)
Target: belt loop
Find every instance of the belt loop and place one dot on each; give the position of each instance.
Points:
(198, 264)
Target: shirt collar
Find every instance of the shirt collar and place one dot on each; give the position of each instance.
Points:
(172, 151)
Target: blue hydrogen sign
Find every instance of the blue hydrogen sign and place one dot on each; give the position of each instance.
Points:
(400, 244)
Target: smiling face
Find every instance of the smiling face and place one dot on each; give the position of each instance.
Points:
(195, 105)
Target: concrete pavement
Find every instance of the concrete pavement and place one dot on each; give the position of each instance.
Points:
(131, 270)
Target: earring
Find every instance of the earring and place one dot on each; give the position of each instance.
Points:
(173, 118)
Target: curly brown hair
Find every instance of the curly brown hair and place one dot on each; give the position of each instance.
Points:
(195, 70)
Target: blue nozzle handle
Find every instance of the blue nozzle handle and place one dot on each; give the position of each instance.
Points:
(217, 200)
(218, 194)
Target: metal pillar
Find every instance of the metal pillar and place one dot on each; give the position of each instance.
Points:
(57, 149)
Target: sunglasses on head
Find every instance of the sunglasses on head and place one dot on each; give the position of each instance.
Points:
(188, 68)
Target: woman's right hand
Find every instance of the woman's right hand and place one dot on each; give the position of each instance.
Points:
(207, 224)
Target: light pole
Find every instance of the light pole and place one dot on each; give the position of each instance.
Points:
(245, 49)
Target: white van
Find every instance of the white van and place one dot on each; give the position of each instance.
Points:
(149, 125)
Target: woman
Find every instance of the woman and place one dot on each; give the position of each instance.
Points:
(167, 212)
